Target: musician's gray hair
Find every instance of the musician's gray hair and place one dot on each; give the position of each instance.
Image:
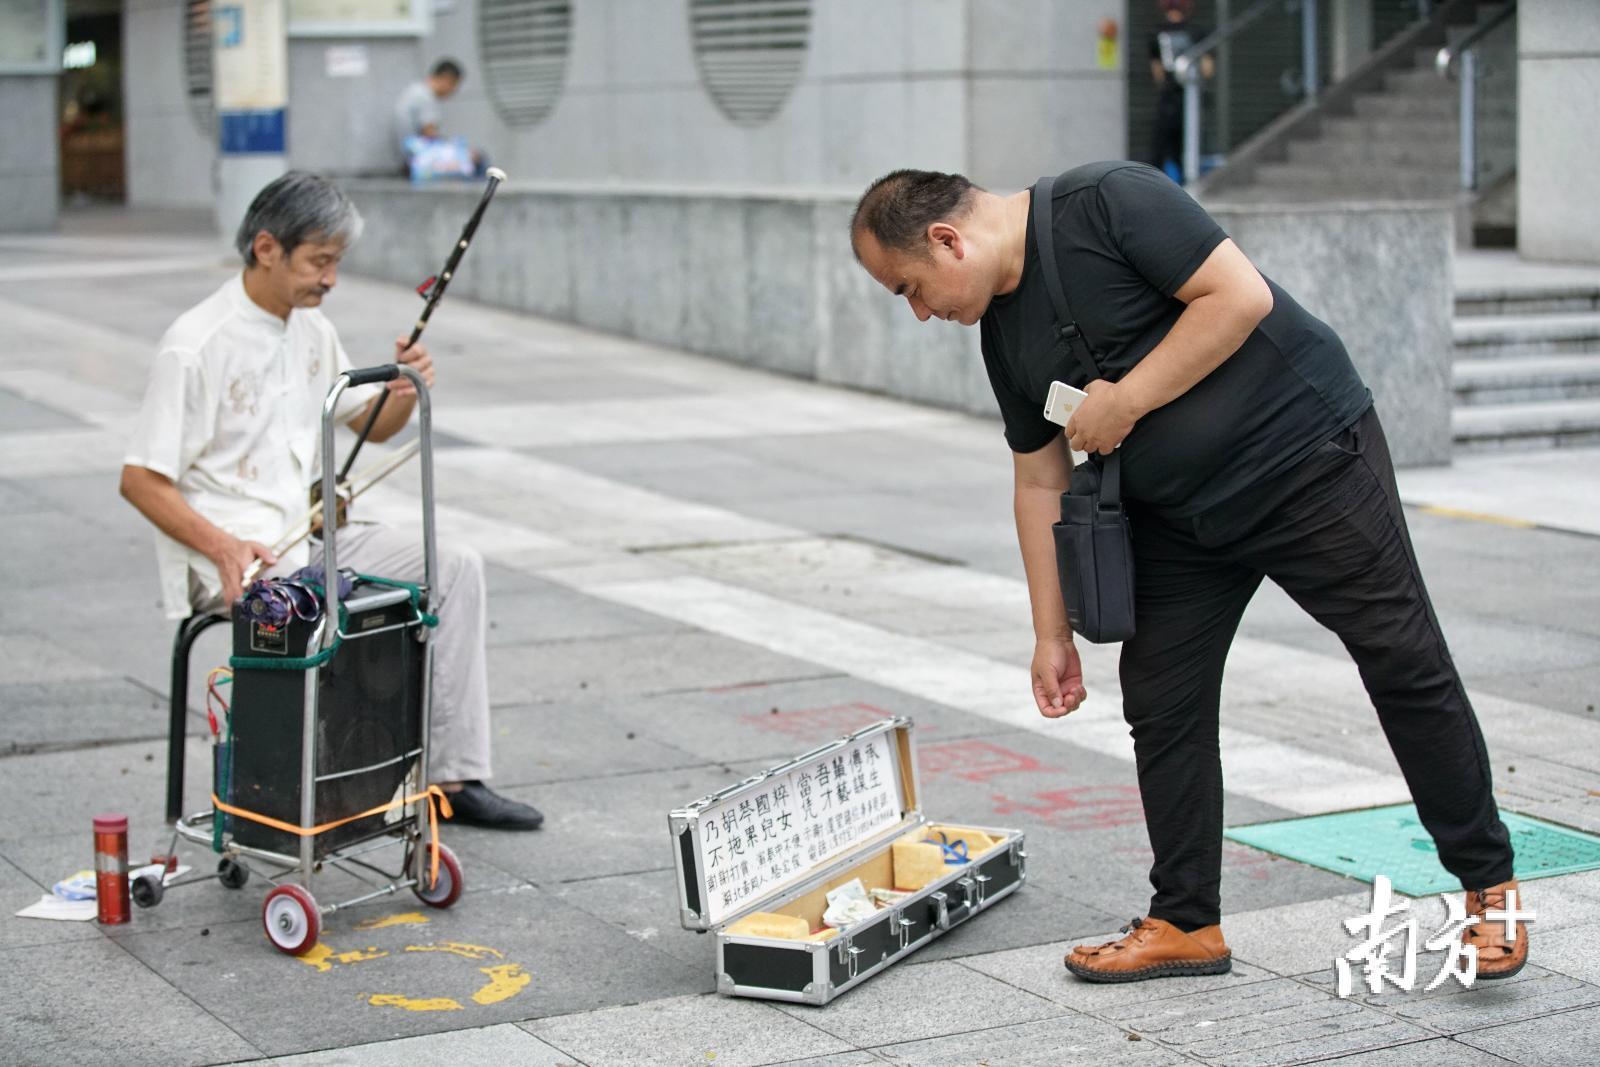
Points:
(296, 208)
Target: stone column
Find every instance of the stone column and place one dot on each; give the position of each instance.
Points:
(1558, 154)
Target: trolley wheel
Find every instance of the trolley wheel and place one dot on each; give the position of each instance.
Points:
(447, 890)
(146, 890)
(292, 920)
(232, 874)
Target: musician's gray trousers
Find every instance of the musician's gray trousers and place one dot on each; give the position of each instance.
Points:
(458, 740)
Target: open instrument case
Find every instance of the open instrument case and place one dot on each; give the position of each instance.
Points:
(756, 860)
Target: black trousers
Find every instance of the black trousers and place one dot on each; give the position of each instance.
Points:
(1331, 532)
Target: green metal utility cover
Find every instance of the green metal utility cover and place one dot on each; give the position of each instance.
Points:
(1391, 841)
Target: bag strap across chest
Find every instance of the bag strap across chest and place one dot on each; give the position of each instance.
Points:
(1066, 327)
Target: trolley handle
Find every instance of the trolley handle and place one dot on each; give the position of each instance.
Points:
(386, 372)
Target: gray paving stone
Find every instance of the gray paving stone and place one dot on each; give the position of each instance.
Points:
(1277, 1021)
(1434, 1053)
(1575, 952)
(863, 1058)
(15, 499)
(91, 1002)
(633, 666)
(1039, 969)
(554, 613)
(1067, 1039)
(503, 1043)
(28, 658)
(912, 1001)
(538, 743)
(61, 713)
(281, 1004)
(1451, 1009)
(19, 415)
(1298, 938)
(595, 826)
(17, 891)
(1565, 1040)
(698, 1029)
(62, 792)
(643, 905)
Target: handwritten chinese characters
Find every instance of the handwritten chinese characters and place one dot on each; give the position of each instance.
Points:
(778, 831)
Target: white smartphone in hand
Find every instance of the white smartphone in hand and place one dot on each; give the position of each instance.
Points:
(1062, 401)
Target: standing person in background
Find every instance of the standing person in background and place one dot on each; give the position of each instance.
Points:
(1175, 37)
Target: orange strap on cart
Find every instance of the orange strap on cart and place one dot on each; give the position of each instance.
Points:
(437, 800)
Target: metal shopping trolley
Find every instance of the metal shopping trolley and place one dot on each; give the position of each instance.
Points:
(321, 752)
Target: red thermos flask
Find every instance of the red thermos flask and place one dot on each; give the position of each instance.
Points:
(111, 867)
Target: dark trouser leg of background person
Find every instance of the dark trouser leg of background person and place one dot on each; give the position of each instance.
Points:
(1166, 137)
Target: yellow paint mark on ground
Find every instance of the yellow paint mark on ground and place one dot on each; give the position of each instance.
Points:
(410, 918)
(323, 957)
(318, 957)
(457, 948)
(1479, 516)
(395, 1000)
(505, 982)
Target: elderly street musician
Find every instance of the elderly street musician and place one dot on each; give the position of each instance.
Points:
(227, 443)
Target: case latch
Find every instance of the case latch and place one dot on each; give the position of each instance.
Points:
(1019, 859)
(849, 954)
(902, 927)
(981, 881)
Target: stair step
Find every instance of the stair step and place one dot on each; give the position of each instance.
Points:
(1361, 180)
(1440, 154)
(1526, 425)
(1406, 106)
(1527, 301)
(1364, 129)
(1492, 336)
(1504, 381)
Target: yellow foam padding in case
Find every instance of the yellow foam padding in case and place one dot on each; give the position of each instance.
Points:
(977, 841)
(771, 924)
(917, 863)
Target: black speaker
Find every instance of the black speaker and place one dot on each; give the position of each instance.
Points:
(368, 723)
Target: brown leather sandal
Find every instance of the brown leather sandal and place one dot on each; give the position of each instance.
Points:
(1152, 948)
(1499, 956)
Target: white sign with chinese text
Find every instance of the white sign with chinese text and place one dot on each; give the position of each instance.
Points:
(778, 832)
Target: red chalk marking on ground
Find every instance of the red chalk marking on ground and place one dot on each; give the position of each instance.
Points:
(975, 761)
(1086, 807)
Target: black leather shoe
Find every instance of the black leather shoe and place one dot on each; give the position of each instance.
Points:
(475, 804)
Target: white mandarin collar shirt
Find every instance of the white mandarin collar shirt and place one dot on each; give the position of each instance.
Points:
(233, 415)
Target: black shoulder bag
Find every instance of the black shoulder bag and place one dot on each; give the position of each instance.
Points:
(1094, 550)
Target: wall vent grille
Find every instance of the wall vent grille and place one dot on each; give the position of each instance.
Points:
(524, 44)
(750, 53)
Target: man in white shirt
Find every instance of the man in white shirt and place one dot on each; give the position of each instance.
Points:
(228, 440)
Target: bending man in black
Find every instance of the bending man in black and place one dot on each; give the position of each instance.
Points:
(1250, 449)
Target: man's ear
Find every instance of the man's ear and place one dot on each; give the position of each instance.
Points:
(942, 234)
(266, 248)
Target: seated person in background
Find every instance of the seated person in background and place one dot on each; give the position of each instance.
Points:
(418, 122)
(228, 440)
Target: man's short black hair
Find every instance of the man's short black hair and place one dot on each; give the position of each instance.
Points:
(446, 68)
(898, 208)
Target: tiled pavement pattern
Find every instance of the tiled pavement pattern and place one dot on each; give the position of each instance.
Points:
(696, 570)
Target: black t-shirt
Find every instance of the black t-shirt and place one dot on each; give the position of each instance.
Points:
(1169, 42)
(1128, 238)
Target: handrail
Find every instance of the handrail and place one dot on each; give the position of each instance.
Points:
(1450, 53)
(1187, 69)
(1466, 51)
(1223, 33)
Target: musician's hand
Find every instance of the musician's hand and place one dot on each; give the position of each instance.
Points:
(418, 359)
(233, 557)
